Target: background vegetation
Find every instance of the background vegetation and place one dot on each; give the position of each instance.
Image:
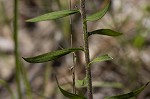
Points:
(131, 51)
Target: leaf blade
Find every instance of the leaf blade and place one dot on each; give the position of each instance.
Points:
(68, 94)
(51, 55)
(100, 14)
(107, 32)
(82, 84)
(53, 15)
(104, 57)
(130, 94)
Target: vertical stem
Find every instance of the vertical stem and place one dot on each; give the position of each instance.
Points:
(16, 48)
(86, 50)
(59, 4)
(73, 54)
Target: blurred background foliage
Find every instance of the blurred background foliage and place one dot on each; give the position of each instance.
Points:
(131, 51)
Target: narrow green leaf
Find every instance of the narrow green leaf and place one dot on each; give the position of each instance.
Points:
(51, 55)
(4, 83)
(107, 32)
(68, 94)
(130, 94)
(107, 84)
(99, 14)
(53, 15)
(83, 84)
(101, 58)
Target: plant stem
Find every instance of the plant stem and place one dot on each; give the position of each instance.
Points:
(86, 50)
(16, 48)
(73, 54)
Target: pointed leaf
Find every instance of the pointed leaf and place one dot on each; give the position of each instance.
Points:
(4, 83)
(101, 58)
(107, 32)
(68, 94)
(130, 94)
(53, 15)
(51, 55)
(99, 14)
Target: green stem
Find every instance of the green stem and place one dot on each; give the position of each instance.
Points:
(86, 50)
(16, 48)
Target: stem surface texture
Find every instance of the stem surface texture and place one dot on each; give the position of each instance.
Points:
(86, 50)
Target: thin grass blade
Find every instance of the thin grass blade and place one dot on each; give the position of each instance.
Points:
(107, 32)
(4, 83)
(100, 14)
(53, 15)
(130, 94)
(51, 55)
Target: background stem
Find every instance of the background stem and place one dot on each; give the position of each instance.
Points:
(73, 54)
(26, 82)
(86, 50)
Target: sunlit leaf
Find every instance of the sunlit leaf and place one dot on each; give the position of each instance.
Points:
(101, 58)
(68, 94)
(51, 55)
(53, 15)
(100, 14)
(130, 94)
(81, 82)
(4, 83)
(107, 32)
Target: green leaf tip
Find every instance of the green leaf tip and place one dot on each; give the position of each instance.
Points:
(51, 55)
(53, 15)
(68, 94)
(107, 32)
(100, 14)
(130, 94)
(82, 82)
(101, 58)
